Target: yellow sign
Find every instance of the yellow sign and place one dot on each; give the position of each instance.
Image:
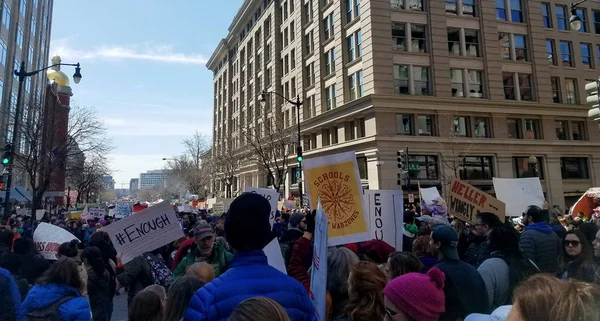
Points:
(336, 181)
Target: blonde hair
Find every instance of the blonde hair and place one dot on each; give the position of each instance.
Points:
(201, 271)
(259, 309)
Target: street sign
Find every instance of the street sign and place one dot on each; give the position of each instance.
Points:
(297, 174)
(414, 166)
(411, 198)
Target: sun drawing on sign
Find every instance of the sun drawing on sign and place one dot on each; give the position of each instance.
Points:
(337, 200)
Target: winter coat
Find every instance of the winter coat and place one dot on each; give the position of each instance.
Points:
(137, 275)
(42, 295)
(183, 250)
(291, 235)
(108, 254)
(478, 250)
(22, 285)
(10, 298)
(495, 273)
(559, 230)
(219, 260)
(99, 293)
(33, 267)
(542, 246)
(249, 275)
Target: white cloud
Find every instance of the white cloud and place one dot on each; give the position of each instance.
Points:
(147, 51)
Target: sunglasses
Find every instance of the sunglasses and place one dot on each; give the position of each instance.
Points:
(572, 243)
(390, 313)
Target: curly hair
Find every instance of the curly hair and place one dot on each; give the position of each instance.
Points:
(366, 284)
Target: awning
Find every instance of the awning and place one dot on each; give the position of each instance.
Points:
(17, 194)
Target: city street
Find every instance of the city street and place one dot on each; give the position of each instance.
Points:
(120, 307)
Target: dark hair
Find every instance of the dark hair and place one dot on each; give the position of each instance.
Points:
(100, 237)
(93, 256)
(409, 217)
(285, 217)
(6, 237)
(589, 230)
(489, 219)
(179, 296)
(146, 306)
(68, 249)
(537, 214)
(12, 262)
(22, 246)
(401, 263)
(259, 308)
(581, 267)
(64, 271)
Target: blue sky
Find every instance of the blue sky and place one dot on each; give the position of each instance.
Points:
(143, 66)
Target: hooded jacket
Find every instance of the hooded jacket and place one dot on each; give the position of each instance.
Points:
(219, 260)
(42, 295)
(10, 299)
(249, 275)
(542, 246)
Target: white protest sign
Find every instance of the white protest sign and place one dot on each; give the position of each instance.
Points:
(274, 257)
(39, 214)
(289, 204)
(47, 238)
(95, 212)
(24, 212)
(123, 210)
(271, 195)
(519, 193)
(180, 209)
(318, 274)
(218, 208)
(428, 194)
(385, 212)
(145, 231)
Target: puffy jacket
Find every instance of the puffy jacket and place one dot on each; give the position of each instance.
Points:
(541, 245)
(478, 251)
(42, 295)
(10, 298)
(219, 261)
(249, 276)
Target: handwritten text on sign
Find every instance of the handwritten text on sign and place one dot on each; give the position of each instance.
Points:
(385, 213)
(145, 231)
(466, 201)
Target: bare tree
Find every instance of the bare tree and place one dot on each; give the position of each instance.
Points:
(272, 146)
(88, 179)
(189, 167)
(453, 150)
(224, 164)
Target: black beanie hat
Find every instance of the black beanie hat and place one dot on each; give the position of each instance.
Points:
(247, 225)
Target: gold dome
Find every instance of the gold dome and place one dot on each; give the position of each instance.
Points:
(54, 73)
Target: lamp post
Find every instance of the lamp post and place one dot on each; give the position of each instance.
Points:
(22, 74)
(68, 197)
(533, 162)
(227, 188)
(297, 103)
(574, 21)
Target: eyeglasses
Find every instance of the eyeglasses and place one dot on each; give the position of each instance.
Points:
(572, 243)
(390, 313)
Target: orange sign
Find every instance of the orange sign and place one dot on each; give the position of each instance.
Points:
(466, 201)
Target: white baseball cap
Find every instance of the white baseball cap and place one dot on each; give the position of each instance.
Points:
(500, 314)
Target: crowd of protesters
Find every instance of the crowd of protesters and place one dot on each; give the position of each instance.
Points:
(543, 266)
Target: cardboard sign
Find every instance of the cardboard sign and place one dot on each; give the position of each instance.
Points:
(335, 180)
(318, 274)
(218, 208)
(39, 214)
(289, 204)
(75, 215)
(274, 256)
(145, 231)
(24, 212)
(386, 214)
(271, 195)
(428, 194)
(466, 201)
(94, 212)
(47, 238)
(123, 210)
(519, 193)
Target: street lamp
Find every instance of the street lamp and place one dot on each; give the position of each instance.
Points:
(22, 74)
(227, 187)
(575, 21)
(297, 103)
(533, 162)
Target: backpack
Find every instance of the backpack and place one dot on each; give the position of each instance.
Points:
(161, 274)
(48, 313)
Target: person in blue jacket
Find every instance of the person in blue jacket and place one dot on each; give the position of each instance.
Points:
(10, 298)
(61, 280)
(248, 231)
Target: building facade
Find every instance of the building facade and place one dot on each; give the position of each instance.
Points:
(109, 182)
(475, 89)
(152, 178)
(134, 185)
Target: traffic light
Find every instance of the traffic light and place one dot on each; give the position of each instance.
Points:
(402, 163)
(593, 98)
(299, 153)
(6, 157)
(1, 183)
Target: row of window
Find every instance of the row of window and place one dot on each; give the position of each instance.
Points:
(480, 127)
(352, 130)
(563, 15)
(567, 56)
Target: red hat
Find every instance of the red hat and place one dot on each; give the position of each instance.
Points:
(420, 296)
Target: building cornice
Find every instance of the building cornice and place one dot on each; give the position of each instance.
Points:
(215, 58)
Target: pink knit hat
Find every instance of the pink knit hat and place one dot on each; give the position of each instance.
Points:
(420, 296)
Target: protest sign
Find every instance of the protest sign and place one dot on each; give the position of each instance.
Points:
(145, 231)
(75, 215)
(289, 204)
(318, 274)
(218, 208)
(24, 212)
(466, 201)
(519, 193)
(336, 181)
(123, 210)
(47, 238)
(180, 209)
(274, 257)
(428, 194)
(271, 195)
(94, 212)
(39, 214)
(386, 214)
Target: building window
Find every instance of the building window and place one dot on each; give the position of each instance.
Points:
(461, 126)
(362, 167)
(33, 29)
(404, 124)
(501, 10)
(309, 42)
(421, 80)
(359, 84)
(401, 79)
(293, 58)
(330, 97)
(596, 15)
(571, 89)
(452, 6)
(525, 87)
(419, 38)
(352, 86)
(454, 41)
(574, 168)
(505, 51)
(310, 74)
(3, 52)
(425, 124)
(457, 83)
(468, 8)
(533, 129)
(23, 7)
(555, 81)
(311, 106)
(428, 167)
(293, 85)
(20, 37)
(509, 86)
(416, 5)
(562, 19)
(330, 61)
(547, 17)
(399, 36)
(521, 47)
(476, 167)
(562, 132)
(328, 26)
(586, 54)
(550, 49)
(581, 14)
(482, 127)
(514, 128)
(354, 43)
(578, 130)
(472, 42)
(475, 84)
(355, 85)
(524, 169)
(566, 51)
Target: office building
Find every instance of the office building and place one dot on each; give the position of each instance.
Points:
(109, 182)
(153, 178)
(475, 89)
(134, 185)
